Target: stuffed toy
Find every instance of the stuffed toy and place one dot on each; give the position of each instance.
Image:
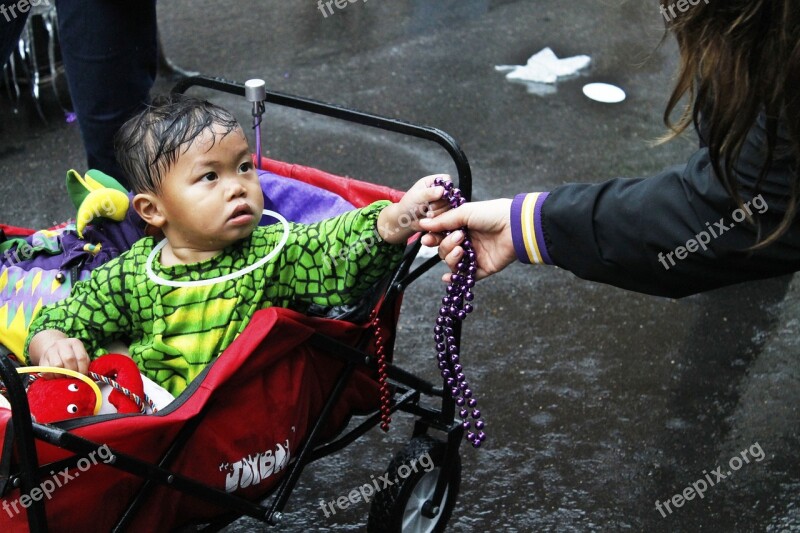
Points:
(51, 400)
(123, 370)
(96, 195)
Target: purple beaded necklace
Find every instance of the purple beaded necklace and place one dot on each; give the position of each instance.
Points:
(453, 309)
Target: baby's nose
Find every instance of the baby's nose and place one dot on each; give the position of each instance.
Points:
(236, 188)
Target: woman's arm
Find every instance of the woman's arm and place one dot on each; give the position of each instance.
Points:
(673, 234)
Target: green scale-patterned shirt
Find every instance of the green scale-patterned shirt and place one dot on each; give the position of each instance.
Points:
(175, 332)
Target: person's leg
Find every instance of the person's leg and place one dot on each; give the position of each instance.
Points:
(110, 53)
(12, 21)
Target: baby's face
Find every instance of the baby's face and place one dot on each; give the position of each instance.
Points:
(211, 195)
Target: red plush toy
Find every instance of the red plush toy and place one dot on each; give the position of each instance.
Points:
(58, 399)
(51, 400)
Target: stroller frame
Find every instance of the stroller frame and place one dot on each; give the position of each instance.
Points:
(408, 389)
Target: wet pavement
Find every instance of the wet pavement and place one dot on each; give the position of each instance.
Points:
(599, 402)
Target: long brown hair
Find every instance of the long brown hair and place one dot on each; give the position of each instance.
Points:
(739, 58)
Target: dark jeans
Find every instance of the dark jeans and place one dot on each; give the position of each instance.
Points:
(110, 53)
(11, 24)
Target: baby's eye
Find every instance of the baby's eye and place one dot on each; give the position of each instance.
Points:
(246, 167)
(211, 176)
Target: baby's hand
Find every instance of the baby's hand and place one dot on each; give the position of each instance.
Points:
(400, 221)
(53, 348)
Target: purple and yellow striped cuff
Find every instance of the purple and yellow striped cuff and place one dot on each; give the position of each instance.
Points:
(526, 228)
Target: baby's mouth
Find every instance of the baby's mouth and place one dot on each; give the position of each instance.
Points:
(241, 213)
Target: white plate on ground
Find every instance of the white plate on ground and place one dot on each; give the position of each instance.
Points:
(604, 92)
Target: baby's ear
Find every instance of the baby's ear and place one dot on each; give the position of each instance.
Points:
(149, 208)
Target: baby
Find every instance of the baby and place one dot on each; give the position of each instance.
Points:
(194, 180)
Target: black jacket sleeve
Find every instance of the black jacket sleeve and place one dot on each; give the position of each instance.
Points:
(645, 234)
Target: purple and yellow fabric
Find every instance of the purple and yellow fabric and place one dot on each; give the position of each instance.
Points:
(526, 228)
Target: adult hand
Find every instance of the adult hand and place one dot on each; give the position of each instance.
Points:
(489, 226)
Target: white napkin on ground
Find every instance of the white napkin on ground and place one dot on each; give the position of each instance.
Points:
(545, 67)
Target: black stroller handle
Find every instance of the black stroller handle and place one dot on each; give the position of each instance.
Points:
(359, 117)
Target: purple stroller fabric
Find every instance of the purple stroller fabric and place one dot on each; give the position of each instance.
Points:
(298, 201)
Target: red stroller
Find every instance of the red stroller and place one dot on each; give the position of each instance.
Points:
(237, 440)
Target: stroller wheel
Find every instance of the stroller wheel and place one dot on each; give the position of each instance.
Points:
(413, 473)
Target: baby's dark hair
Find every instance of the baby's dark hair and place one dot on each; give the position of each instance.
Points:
(149, 144)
